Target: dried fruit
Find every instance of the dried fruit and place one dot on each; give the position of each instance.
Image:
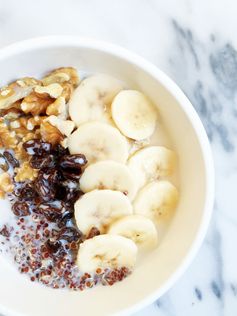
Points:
(52, 211)
(12, 160)
(45, 184)
(26, 192)
(71, 173)
(5, 231)
(76, 161)
(37, 147)
(59, 151)
(3, 163)
(53, 246)
(40, 162)
(21, 208)
(69, 234)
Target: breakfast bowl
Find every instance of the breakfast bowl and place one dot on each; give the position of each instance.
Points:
(159, 269)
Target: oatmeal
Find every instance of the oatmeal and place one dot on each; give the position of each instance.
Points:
(88, 182)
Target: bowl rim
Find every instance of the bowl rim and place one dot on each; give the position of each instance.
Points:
(184, 103)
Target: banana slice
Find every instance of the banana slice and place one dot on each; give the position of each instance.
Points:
(151, 163)
(108, 175)
(134, 114)
(98, 141)
(106, 251)
(99, 208)
(92, 99)
(138, 228)
(158, 198)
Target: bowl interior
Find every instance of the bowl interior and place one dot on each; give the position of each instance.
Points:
(153, 275)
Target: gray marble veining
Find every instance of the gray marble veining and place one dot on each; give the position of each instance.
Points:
(195, 43)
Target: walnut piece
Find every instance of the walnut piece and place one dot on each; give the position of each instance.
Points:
(25, 126)
(67, 91)
(50, 133)
(6, 184)
(20, 152)
(7, 138)
(62, 75)
(64, 126)
(15, 91)
(58, 107)
(25, 172)
(54, 90)
(36, 103)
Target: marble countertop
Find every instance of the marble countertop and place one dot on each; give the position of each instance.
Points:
(195, 43)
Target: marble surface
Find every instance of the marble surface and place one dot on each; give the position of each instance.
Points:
(195, 43)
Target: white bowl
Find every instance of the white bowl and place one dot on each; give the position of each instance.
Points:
(161, 269)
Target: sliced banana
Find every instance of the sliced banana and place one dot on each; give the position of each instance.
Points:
(98, 141)
(138, 228)
(156, 199)
(99, 208)
(106, 251)
(134, 114)
(152, 163)
(109, 175)
(92, 99)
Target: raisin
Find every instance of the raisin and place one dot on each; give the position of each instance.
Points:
(71, 173)
(26, 192)
(12, 160)
(37, 147)
(68, 191)
(73, 196)
(21, 208)
(70, 234)
(39, 162)
(67, 216)
(44, 188)
(73, 161)
(52, 212)
(53, 246)
(94, 231)
(3, 163)
(5, 231)
(60, 151)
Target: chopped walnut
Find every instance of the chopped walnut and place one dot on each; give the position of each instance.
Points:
(36, 103)
(13, 112)
(30, 123)
(50, 133)
(25, 172)
(20, 132)
(24, 125)
(16, 91)
(7, 138)
(20, 152)
(64, 126)
(62, 75)
(67, 90)
(54, 90)
(58, 107)
(6, 184)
